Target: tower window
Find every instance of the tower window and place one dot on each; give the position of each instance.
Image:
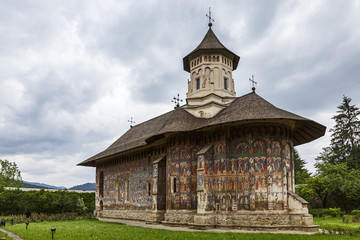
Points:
(197, 83)
(225, 83)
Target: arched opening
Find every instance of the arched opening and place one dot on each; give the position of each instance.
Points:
(101, 184)
(101, 205)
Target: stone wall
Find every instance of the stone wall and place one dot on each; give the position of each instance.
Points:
(140, 215)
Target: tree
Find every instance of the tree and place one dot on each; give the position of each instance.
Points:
(337, 180)
(301, 173)
(345, 137)
(10, 175)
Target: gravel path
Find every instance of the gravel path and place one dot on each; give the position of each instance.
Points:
(10, 234)
(160, 226)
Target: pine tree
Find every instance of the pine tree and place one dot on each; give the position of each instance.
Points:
(345, 137)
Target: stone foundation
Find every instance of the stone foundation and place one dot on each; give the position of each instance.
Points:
(179, 218)
(137, 215)
(256, 221)
(243, 221)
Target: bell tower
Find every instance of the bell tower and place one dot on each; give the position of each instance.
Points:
(211, 86)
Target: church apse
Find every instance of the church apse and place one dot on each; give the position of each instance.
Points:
(249, 170)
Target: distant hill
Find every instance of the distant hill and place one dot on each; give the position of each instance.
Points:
(85, 186)
(40, 185)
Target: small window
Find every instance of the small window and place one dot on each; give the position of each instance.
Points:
(149, 188)
(118, 191)
(225, 83)
(101, 184)
(173, 185)
(174, 189)
(197, 83)
(127, 188)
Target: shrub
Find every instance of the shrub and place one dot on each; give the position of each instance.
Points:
(347, 219)
(335, 212)
(355, 213)
(338, 229)
(17, 201)
(41, 217)
(320, 212)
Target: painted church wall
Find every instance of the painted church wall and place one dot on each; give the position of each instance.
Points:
(127, 185)
(249, 170)
(181, 175)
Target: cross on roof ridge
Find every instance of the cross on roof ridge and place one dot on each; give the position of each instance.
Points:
(131, 122)
(177, 101)
(253, 83)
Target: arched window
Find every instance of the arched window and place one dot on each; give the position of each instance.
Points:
(218, 59)
(101, 184)
(205, 58)
(101, 205)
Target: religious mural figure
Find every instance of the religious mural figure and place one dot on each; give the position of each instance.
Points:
(257, 165)
(263, 183)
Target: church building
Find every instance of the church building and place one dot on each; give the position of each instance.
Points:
(219, 161)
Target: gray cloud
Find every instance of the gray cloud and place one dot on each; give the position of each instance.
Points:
(73, 73)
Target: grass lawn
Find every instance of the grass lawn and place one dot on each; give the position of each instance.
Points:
(94, 229)
(334, 221)
(3, 235)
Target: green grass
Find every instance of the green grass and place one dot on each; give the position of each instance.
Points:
(335, 224)
(3, 235)
(94, 229)
(334, 221)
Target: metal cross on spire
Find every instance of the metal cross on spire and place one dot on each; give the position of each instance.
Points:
(253, 83)
(131, 122)
(210, 19)
(176, 101)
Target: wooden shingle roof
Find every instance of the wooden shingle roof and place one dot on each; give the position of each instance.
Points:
(250, 107)
(210, 44)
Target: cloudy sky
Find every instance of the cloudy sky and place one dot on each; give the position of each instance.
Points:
(73, 72)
